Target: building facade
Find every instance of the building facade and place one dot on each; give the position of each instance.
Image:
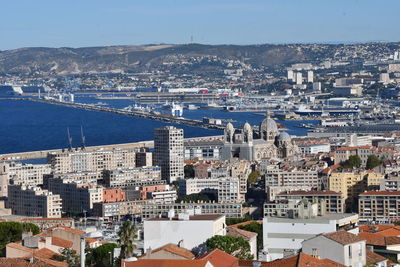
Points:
(169, 149)
(82, 160)
(120, 178)
(33, 201)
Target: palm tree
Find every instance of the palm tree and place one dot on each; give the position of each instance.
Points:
(126, 235)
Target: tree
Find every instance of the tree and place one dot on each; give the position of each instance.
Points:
(232, 221)
(127, 234)
(12, 232)
(101, 256)
(194, 198)
(69, 256)
(236, 246)
(189, 171)
(373, 161)
(253, 177)
(255, 227)
(354, 161)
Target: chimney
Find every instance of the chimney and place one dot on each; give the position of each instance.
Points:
(83, 256)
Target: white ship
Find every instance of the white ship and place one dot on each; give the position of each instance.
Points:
(174, 110)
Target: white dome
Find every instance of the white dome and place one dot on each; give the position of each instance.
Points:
(229, 126)
(284, 136)
(268, 125)
(247, 127)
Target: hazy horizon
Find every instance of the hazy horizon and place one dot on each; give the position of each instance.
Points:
(92, 23)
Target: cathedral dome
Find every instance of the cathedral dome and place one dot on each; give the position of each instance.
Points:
(268, 125)
(284, 136)
(247, 127)
(229, 127)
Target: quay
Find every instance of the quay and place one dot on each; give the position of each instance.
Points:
(135, 113)
(43, 153)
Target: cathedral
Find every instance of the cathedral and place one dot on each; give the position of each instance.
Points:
(269, 144)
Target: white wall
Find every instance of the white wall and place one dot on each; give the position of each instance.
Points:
(329, 249)
(193, 233)
(289, 234)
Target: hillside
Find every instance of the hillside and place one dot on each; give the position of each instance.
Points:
(151, 57)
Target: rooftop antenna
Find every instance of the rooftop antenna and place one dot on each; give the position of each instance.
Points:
(69, 139)
(83, 138)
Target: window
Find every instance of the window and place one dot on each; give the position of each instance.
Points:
(314, 252)
(350, 254)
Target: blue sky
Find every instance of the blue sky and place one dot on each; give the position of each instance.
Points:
(73, 23)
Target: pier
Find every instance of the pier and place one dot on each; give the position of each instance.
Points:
(40, 154)
(135, 113)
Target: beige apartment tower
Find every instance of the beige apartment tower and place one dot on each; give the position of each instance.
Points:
(168, 154)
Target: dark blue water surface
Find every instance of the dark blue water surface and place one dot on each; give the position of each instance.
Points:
(30, 126)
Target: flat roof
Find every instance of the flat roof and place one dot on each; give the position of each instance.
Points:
(200, 217)
(317, 219)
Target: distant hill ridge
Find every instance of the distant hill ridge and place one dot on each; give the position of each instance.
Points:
(128, 58)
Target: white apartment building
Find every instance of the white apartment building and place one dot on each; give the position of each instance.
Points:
(203, 149)
(25, 174)
(226, 189)
(341, 247)
(183, 229)
(131, 177)
(343, 153)
(169, 150)
(379, 206)
(392, 183)
(82, 160)
(86, 177)
(310, 76)
(163, 197)
(315, 149)
(230, 210)
(284, 236)
(33, 201)
(298, 77)
(289, 179)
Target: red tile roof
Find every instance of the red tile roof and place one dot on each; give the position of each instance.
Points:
(220, 258)
(374, 228)
(233, 231)
(373, 258)
(45, 253)
(301, 260)
(59, 242)
(310, 192)
(68, 229)
(166, 263)
(390, 232)
(343, 237)
(20, 262)
(46, 219)
(381, 193)
(174, 249)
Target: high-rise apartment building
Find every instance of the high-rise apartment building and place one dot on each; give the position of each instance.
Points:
(33, 201)
(82, 160)
(168, 145)
(310, 76)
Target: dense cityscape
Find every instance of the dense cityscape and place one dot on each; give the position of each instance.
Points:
(200, 155)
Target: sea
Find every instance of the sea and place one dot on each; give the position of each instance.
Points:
(30, 126)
